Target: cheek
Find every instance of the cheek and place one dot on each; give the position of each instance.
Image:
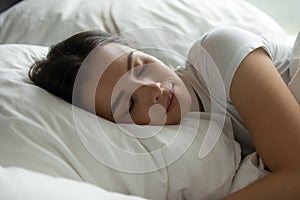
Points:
(161, 70)
(184, 98)
(156, 115)
(103, 105)
(103, 101)
(140, 119)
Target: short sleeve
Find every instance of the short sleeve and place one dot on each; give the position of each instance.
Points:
(227, 47)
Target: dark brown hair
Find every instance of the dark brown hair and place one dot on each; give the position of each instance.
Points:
(57, 72)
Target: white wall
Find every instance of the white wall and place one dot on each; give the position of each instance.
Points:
(285, 12)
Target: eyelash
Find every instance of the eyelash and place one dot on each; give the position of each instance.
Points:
(131, 104)
(142, 71)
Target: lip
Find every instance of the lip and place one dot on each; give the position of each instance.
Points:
(172, 101)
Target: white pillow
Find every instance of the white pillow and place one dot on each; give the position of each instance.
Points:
(43, 133)
(164, 24)
(19, 184)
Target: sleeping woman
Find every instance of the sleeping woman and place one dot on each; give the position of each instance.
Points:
(135, 87)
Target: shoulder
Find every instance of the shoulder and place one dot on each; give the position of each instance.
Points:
(226, 47)
(227, 38)
(224, 44)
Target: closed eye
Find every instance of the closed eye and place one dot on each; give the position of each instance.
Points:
(131, 104)
(142, 70)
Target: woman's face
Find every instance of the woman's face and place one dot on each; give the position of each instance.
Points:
(138, 88)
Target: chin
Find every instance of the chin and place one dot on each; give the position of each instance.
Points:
(173, 121)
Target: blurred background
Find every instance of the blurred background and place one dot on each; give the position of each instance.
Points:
(285, 12)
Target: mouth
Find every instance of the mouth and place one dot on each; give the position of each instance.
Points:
(172, 101)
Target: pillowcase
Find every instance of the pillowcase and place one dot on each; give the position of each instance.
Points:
(43, 133)
(165, 24)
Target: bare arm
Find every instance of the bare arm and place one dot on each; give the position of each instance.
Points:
(272, 116)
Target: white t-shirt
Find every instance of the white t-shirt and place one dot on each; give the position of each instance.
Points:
(224, 49)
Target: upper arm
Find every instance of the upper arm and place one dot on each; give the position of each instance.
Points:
(269, 110)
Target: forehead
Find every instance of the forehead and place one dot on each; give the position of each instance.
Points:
(103, 67)
(102, 57)
(102, 61)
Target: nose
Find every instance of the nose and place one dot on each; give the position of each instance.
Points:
(150, 92)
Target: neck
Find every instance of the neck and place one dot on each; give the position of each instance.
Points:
(197, 105)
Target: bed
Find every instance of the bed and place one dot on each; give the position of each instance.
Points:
(50, 149)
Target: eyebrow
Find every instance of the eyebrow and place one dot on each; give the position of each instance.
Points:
(129, 60)
(116, 103)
